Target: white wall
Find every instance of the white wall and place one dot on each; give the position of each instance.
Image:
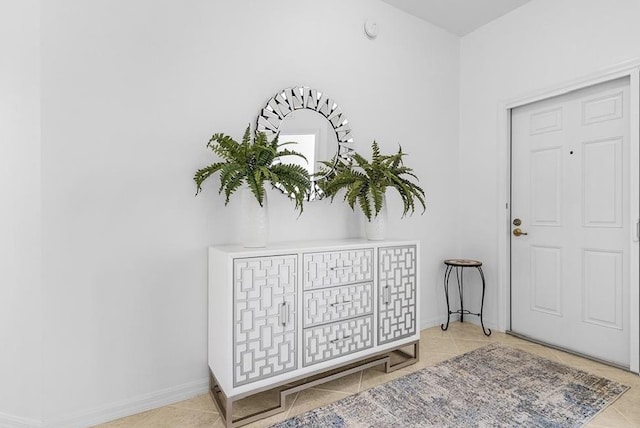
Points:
(540, 45)
(131, 92)
(20, 214)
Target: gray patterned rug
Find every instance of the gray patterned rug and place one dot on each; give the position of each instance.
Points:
(493, 386)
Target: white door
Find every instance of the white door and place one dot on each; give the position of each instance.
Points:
(570, 190)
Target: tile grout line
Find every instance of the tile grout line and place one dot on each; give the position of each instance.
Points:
(292, 404)
(456, 346)
(624, 417)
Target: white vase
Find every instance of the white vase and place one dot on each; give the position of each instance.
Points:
(375, 229)
(254, 220)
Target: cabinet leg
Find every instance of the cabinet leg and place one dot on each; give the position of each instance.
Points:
(225, 407)
(410, 359)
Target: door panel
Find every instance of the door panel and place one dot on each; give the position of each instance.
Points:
(546, 189)
(546, 280)
(602, 305)
(602, 183)
(570, 189)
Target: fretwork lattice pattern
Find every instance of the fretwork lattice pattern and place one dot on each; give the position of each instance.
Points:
(337, 268)
(396, 293)
(333, 340)
(337, 303)
(264, 317)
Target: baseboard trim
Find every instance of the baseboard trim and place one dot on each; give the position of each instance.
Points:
(130, 406)
(10, 421)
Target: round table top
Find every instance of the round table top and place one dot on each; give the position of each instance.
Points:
(463, 262)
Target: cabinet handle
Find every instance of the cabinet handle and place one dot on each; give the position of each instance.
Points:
(386, 295)
(336, 303)
(286, 314)
(340, 267)
(283, 314)
(336, 340)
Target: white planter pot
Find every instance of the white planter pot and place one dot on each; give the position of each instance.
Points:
(376, 229)
(254, 220)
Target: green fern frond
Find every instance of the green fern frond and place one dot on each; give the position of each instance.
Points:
(365, 205)
(287, 152)
(228, 172)
(202, 174)
(365, 182)
(293, 178)
(254, 163)
(375, 152)
(352, 193)
(377, 194)
(246, 138)
(231, 186)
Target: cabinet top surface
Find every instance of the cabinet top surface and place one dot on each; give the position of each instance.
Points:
(327, 245)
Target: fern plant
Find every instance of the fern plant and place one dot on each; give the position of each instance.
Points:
(254, 163)
(365, 182)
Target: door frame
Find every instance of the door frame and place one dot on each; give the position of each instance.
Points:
(630, 69)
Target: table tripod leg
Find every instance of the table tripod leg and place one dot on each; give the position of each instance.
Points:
(447, 272)
(459, 273)
(482, 304)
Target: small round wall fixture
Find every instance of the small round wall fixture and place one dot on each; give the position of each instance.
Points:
(315, 122)
(371, 29)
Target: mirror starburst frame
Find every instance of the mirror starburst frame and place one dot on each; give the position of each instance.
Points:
(299, 98)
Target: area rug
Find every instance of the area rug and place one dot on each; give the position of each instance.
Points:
(493, 386)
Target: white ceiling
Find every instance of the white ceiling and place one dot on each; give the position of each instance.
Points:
(457, 16)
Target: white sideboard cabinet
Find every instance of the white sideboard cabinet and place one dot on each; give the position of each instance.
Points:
(285, 315)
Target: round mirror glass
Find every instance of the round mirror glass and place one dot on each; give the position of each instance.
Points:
(314, 122)
(313, 136)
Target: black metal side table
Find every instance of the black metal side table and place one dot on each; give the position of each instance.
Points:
(459, 265)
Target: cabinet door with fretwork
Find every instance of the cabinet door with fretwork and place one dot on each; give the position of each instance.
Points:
(265, 317)
(397, 293)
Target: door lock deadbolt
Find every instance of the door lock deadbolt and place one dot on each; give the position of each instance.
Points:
(517, 222)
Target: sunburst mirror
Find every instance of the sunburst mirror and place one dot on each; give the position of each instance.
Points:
(312, 120)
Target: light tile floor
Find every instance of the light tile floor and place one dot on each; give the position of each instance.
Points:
(435, 346)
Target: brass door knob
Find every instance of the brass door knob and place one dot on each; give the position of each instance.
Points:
(517, 232)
